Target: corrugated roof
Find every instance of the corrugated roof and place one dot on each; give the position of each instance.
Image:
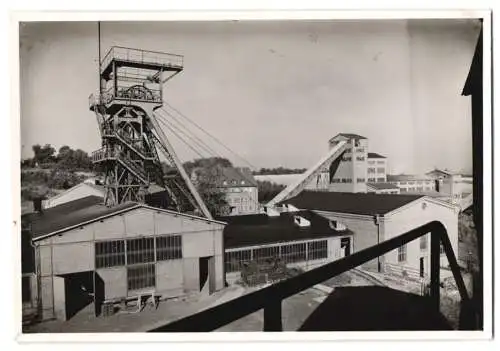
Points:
(349, 136)
(382, 186)
(260, 229)
(375, 155)
(353, 203)
(69, 214)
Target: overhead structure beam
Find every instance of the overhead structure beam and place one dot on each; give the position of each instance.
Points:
(300, 184)
(167, 148)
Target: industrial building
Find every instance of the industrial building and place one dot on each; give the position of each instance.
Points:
(237, 184)
(382, 188)
(373, 218)
(300, 239)
(85, 251)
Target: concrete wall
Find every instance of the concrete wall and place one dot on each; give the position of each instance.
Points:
(115, 282)
(77, 192)
(73, 251)
(379, 166)
(244, 200)
(364, 232)
(416, 214)
(353, 167)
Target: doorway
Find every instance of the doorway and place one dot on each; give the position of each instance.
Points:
(422, 267)
(345, 244)
(207, 274)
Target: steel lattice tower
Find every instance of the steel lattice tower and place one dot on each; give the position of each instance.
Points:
(131, 83)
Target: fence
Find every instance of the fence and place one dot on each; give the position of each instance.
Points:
(270, 299)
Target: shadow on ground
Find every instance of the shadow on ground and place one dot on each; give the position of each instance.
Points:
(374, 308)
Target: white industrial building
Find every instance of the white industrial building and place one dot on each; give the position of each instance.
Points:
(87, 252)
(373, 218)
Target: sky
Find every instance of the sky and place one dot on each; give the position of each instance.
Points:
(273, 92)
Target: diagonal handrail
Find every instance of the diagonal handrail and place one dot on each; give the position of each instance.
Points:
(270, 298)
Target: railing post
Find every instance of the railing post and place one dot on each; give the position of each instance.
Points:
(435, 268)
(272, 315)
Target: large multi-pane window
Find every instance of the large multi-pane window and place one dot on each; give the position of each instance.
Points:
(380, 170)
(317, 250)
(140, 250)
(293, 253)
(360, 180)
(168, 247)
(235, 259)
(109, 254)
(371, 170)
(141, 276)
(380, 179)
(402, 253)
(265, 253)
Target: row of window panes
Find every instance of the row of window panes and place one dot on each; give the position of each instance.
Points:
(402, 253)
(360, 158)
(291, 253)
(347, 158)
(371, 170)
(360, 180)
(141, 276)
(380, 170)
(141, 250)
(341, 180)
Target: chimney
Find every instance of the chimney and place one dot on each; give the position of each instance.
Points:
(37, 205)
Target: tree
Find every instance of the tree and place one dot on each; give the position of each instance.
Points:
(43, 154)
(268, 190)
(213, 197)
(207, 163)
(280, 170)
(70, 159)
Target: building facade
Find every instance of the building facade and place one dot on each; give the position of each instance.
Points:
(376, 168)
(382, 188)
(300, 239)
(412, 183)
(354, 170)
(85, 250)
(351, 173)
(237, 184)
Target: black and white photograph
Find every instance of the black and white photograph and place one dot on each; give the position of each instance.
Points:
(244, 175)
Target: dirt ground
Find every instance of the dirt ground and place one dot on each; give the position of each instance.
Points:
(148, 318)
(296, 309)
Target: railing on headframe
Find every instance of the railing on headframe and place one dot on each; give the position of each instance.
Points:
(270, 299)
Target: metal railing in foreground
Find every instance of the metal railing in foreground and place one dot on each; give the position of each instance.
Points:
(270, 299)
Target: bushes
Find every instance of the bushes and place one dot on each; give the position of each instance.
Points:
(39, 182)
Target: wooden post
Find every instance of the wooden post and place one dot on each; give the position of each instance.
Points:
(435, 270)
(272, 316)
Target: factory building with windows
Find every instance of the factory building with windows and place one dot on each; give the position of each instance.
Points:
(373, 218)
(85, 251)
(300, 239)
